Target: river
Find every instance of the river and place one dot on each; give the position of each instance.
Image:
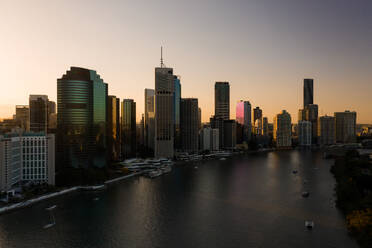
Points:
(246, 201)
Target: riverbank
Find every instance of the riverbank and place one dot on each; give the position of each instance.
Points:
(32, 201)
(353, 176)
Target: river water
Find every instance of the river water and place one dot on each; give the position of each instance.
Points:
(250, 201)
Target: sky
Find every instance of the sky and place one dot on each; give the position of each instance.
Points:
(264, 48)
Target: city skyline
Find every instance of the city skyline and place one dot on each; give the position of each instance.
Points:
(251, 65)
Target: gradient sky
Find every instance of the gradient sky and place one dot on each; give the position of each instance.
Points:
(264, 48)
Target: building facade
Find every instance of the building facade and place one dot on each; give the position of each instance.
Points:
(177, 117)
(308, 91)
(304, 133)
(10, 162)
(113, 128)
(189, 125)
(282, 130)
(23, 117)
(229, 127)
(81, 119)
(244, 117)
(164, 112)
(128, 128)
(38, 105)
(149, 121)
(345, 127)
(222, 100)
(326, 130)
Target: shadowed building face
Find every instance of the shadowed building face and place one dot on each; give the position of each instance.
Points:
(308, 92)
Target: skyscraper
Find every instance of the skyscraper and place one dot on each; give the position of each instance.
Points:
(189, 125)
(257, 120)
(164, 112)
(199, 119)
(128, 124)
(304, 133)
(308, 91)
(265, 127)
(345, 127)
(81, 120)
(326, 130)
(38, 105)
(282, 130)
(222, 100)
(113, 128)
(218, 124)
(177, 120)
(311, 114)
(229, 132)
(23, 117)
(149, 118)
(244, 117)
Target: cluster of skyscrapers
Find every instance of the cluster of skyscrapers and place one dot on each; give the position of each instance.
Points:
(93, 129)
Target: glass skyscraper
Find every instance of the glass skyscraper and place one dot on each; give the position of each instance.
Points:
(128, 124)
(308, 91)
(222, 100)
(81, 122)
(177, 99)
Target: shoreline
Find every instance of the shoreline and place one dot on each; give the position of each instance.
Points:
(35, 200)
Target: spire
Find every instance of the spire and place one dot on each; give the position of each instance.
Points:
(161, 57)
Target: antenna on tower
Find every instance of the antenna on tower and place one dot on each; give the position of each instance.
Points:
(161, 57)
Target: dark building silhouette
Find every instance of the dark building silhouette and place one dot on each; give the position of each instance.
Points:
(218, 123)
(177, 117)
(128, 127)
(113, 128)
(81, 121)
(189, 124)
(222, 100)
(308, 91)
(229, 132)
(23, 117)
(38, 105)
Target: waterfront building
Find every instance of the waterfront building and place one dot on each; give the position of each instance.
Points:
(10, 162)
(128, 128)
(38, 158)
(222, 100)
(282, 130)
(113, 128)
(199, 118)
(209, 139)
(308, 91)
(311, 114)
(23, 117)
(149, 124)
(244, 117)
(38, 105)
(164, 112)
(265, 127)
(218, 123)
(177, 117)
(258, 127)
(326, 130)
(81, 119)
(189, 125)
(304, 133)
(229, 130)
(345, 127)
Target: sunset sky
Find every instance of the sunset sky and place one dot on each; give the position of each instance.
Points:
(264, 48)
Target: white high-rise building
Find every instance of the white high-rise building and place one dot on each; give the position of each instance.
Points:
(209, 139)
(304, 133)
(283, 130)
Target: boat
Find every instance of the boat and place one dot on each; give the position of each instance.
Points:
(51, 207)
(166, 169)
(196, 167)
(305, 194)
(309, 224)
(49, 225)
(155, 173)
(96, 199)
(222, 159)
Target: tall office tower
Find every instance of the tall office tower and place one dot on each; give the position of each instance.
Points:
(189, 125)
(304, 133)
(257, 115)
(141, 134)
(345, 127)
(113, 128)
(177, 118)
(38, 158)
(265, 127)
(229, 132)
(217, 123)
(51, 107)
(128, 128)
(10, 162)
(282, 130)
(38, 105)
(23, 117)
(244, 117)
(222, 100)
(52, 117)
(150, 118)
(301, 115)
(308, 91)
(326, 130)
(164, 111)
(81, 119)
(199, 119)
(311, 114)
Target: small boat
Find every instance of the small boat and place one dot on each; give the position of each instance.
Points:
(51, 207)
(96, 199)
(294, 171)
(222, 159)
(166, 169)
(196, 167)
(309, 224)
(49, 225)
(305, 194)
(155, 173)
